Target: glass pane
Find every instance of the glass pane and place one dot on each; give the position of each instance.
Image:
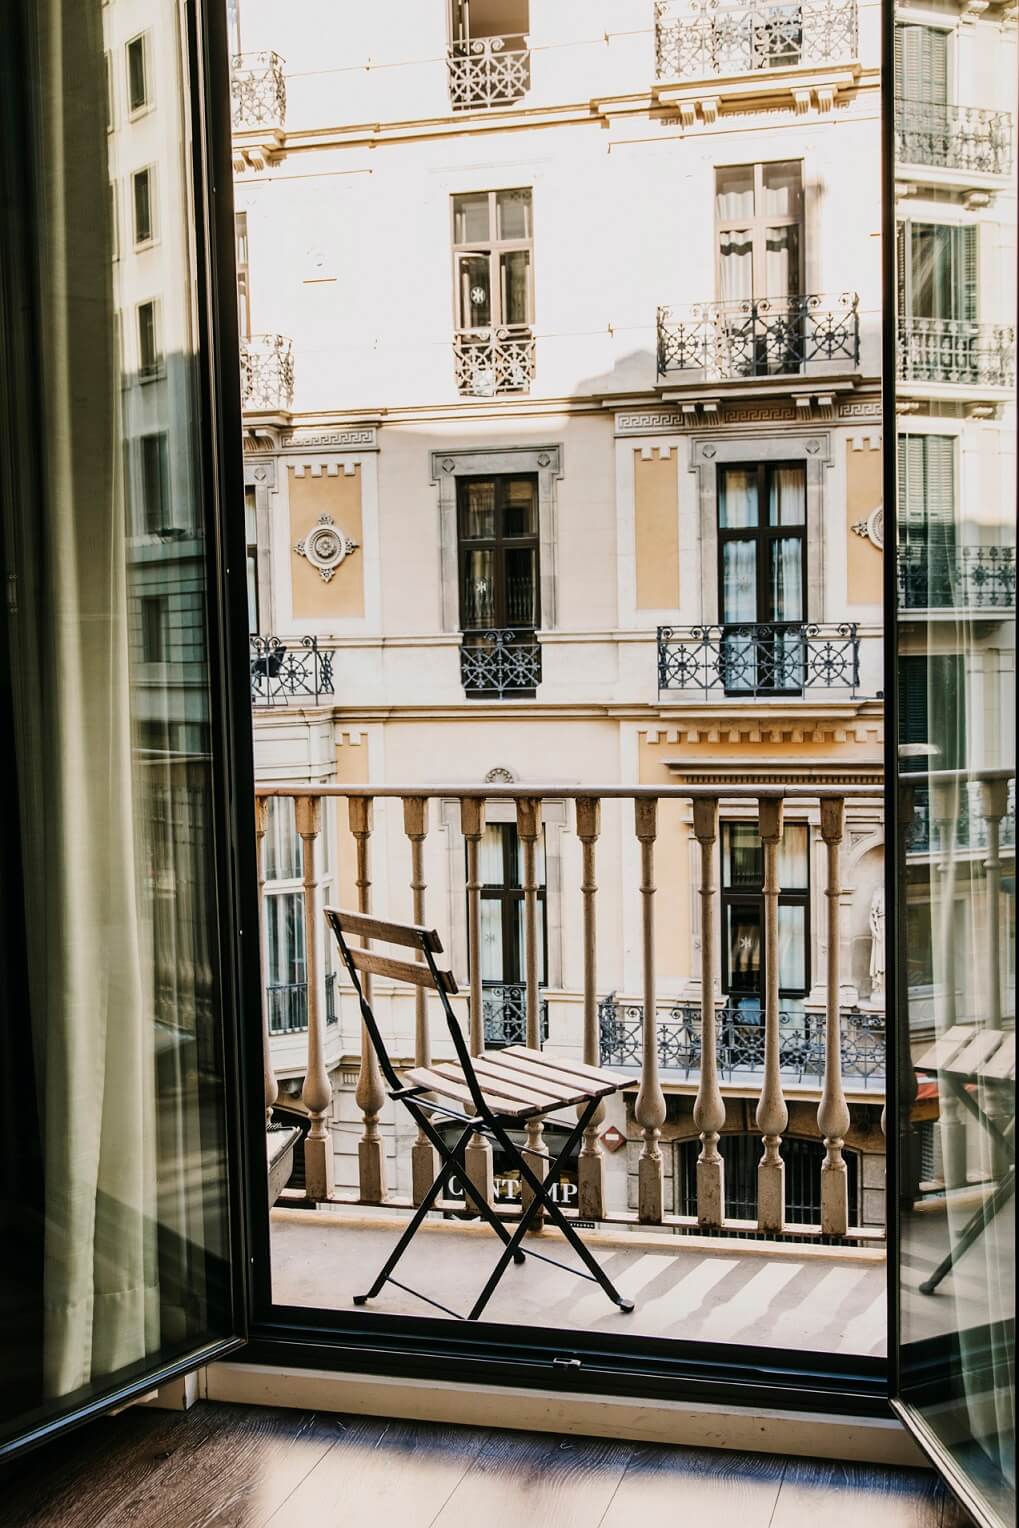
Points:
(739, 582)
(745, 947)
(122, 1261)
(955, 892)
(284, 857)
(490, 855)
(737, 499)
(785, 578)
(782, 261)
(792, 858)
(475, 291)
(781, 189)
(142, 207)
(478, 591)
(513, 215)
(284, 916)
(470, 219)
(520, 511)
(787, 496)
(736, 266)
(522, 587)
(491, 940)
(515, 281)
(477, 512)
(743, 863)
(792, 948)
(734, 193)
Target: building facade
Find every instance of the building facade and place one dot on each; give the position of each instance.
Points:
(561, 356)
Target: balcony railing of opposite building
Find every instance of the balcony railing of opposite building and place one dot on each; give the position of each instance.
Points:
(942, 821)
(411, 811)
(759, 337)
(740, 1043)
(503, 662)
(267, 372)
(505, 1009)
(492, 361)
(488, 71)
(287, 669)
(701, 39)
(287, 1004)
(953, 137)
(768, 659)
(954, 350)
(258, 90)
(967, 578)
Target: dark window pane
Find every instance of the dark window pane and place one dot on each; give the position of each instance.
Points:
(744, 936)
(477, 516)
(521, 587)
(137, 84)
(142, 207)
(478, 591)
(520, 511)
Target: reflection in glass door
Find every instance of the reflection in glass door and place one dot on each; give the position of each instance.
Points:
(955, 756)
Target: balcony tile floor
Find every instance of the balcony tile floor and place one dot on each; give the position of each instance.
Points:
(813, 1298)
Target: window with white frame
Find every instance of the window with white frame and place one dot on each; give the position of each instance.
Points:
(138, 97)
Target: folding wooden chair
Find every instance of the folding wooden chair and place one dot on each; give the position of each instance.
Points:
(491, 1095)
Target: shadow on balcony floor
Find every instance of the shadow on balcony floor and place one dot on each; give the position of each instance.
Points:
(814, 1298)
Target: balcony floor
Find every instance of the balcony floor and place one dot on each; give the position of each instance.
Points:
(718, 1290)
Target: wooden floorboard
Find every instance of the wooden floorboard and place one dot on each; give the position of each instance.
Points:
(225, 1466)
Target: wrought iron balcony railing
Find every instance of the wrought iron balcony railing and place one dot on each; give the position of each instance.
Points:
(287, 1004)
(953, 137)
(488, 71)
(740, 1041)
(771, 659)
(284, 669)
(954, 350)
(759, 337)
(267, 372)
(504, 662)
(966, 578)
(258, 90)
(504, 1005)
(699, 39)
(966, 828)
(491, 361)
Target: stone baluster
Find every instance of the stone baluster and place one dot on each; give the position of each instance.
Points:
(369, 1093)
(649, 1109)
(528, 833)
(268, 1073)
(772, 1115)
(832, 1111)
(993, 806)
(478, 1158)
(591, 1162)
(423, 1164)
(709, 1106)
(317, 1092)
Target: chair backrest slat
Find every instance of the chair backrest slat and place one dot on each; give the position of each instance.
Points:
(412, 934)
(402, 970)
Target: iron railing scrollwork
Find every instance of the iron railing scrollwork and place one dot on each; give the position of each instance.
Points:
(504, 1005)
(289, 668)
(488, 71)
(267, 372)
(741, 1041)
(962, 578)
(953, 137)
(759, 336)
(491, 361)
(503, 662)
(767, 659)
(258, 90)
(954, 350)
(699, 39)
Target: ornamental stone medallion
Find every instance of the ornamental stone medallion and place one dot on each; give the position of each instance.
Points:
(326, 547)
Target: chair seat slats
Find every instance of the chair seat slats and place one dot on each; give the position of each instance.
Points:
(448, 1087)
(572, 1068)
(552, 1077)
(1001, 1065)
(969, 1062)
(514, 1084)
(504, 1085)
(942, 1051)
(413, 934)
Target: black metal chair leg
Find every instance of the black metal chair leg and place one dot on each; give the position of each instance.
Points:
(974, 1227)
(449, 1166)
(471, 1190)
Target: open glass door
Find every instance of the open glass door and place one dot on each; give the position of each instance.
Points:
(954, 485)
(117, 1058)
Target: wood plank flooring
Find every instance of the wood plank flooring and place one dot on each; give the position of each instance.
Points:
(220, 1466)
